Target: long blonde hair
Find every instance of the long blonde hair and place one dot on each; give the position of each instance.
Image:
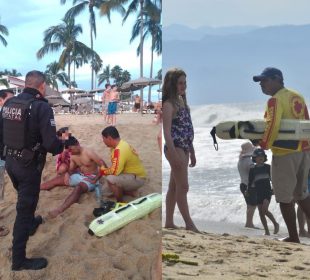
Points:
(170, 86)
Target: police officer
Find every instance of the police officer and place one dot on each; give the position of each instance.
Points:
(27, 132)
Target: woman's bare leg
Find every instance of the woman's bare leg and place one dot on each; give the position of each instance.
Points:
(181, 182)
(170, 203)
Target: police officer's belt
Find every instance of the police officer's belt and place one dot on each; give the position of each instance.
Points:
(14, 153)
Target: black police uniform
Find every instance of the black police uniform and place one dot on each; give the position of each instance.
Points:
(25, 169)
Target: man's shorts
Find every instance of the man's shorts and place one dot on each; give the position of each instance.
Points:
(77, 178)
(289, 174)
(112, 107)
(127, 182)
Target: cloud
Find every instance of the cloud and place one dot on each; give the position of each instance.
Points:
(235, 12)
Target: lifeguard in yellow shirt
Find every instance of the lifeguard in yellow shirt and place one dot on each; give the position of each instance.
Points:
(291, 159)
(126, 174)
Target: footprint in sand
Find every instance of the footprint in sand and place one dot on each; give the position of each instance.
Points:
(286, 253)
(281, 260)
(297, 267)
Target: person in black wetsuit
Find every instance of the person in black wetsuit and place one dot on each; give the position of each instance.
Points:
(27, 134)
(259, 178)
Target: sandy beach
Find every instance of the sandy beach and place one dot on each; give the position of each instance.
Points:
(128, 253)
(225, 256)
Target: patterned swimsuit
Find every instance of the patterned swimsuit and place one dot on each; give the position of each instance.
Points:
(182, 131)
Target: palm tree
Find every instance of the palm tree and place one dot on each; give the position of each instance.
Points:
(152, 27)
(4, 31)
(105, 75)
(116, 73)
(159, 75)
(96, 65)
(13, 73)
(133, 7)
(53, 74)
(91, 5)
(64, 36)
(126, 76)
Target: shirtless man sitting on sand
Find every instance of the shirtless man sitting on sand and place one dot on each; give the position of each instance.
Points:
(83, 168)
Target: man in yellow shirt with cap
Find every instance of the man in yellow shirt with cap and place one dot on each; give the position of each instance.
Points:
(291, 158)
(127, 173)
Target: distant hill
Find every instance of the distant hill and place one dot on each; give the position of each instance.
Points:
(182, 32)
(220, 65)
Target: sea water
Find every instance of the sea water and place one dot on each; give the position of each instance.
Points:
(214, 197)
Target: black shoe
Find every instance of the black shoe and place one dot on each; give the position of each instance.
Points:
(31, 264)
(105, 207)
(37, 221)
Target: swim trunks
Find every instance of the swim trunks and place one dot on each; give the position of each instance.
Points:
(112, 107)
(77, 178)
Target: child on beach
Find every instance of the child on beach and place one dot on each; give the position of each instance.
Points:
(259, 178)
(244, 164)
(179, 149)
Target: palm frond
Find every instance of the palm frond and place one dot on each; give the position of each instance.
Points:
(3, 41)
(48, 48)
(76, 10)
(4, 30)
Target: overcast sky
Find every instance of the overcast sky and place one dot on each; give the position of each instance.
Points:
(28, 19)
(195, 13)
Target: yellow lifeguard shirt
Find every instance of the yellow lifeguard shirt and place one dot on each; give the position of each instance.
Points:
(285, 104)
(124, 160)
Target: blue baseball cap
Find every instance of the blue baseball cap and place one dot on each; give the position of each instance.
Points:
(269, 72)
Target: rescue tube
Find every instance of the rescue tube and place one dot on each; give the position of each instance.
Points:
(254, 130)
(122, 216)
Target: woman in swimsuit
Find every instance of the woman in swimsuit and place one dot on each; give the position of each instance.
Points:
(179, 149)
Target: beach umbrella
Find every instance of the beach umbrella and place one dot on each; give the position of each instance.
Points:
(95, 90)
(130, 88)
(54, 96)
(55, 100)
(72, 91)
(140, 83)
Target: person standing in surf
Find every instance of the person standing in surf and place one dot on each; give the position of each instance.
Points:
(290, 158)
(259, 180)
(244, 164)
(178, 149)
